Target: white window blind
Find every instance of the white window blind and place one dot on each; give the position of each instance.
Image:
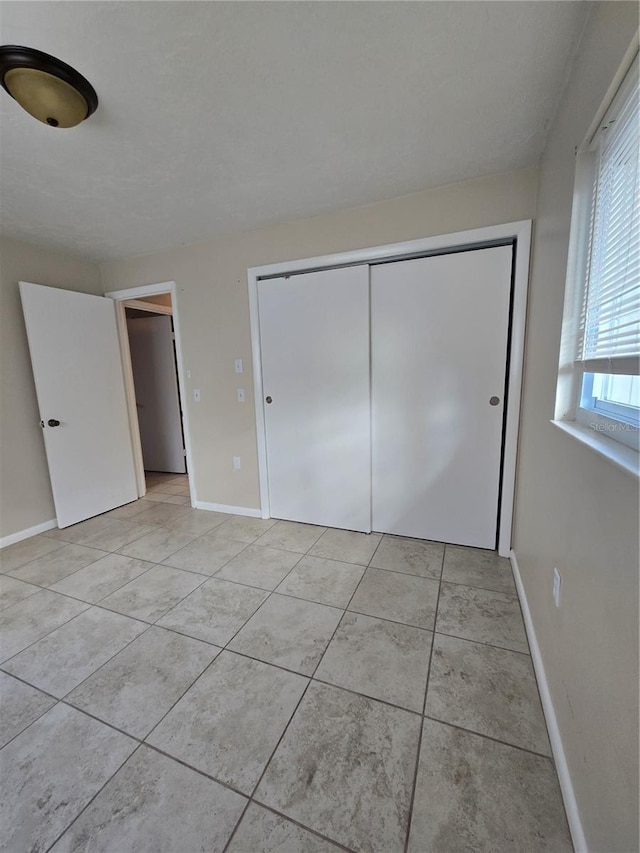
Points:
(609, 331)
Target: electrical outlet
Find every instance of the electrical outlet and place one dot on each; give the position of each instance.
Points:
(196, 395)
(557, 587)
(188, 374)
(236, 463)
(241, 395)
(239, 367)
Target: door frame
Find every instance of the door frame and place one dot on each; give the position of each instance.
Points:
(122, 298)
(516, 233)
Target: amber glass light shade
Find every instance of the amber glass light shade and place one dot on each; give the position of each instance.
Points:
(45, 87)
(46, 97)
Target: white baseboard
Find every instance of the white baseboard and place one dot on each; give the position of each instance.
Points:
(12, 538)
(232, 510)
(568, 794)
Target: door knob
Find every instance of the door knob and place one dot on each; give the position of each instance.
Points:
(53, 422)
(268, 399)
(494, 401)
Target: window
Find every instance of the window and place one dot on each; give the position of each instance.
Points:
(599, 382)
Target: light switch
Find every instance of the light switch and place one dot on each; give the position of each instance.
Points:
(236, 463)
(241, 395)
(239, 365)
(196, 395)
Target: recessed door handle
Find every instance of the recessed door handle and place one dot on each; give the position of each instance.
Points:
(269, 399)
(494, 401)
(53, 422)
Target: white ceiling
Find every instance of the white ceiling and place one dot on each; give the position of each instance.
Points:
(218, 117)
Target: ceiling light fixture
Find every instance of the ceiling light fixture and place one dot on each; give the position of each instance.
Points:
(47, 88)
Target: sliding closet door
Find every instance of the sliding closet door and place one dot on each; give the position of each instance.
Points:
(439, 329)
(314, 336)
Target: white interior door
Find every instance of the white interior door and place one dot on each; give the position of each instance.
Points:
(314, 334)
(439, 330)
(157, 399)
(77, 370)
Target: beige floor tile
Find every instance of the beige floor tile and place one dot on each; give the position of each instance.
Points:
(20, 705)
(162, 513)
(12, 591)
(154, 547)
(475, 567)
(34, 617)
(205, 555)
(230, 721)
(323, 581)
(288, 632)
(171, 489)
(398, 597)
(475, 794)
(243, 528)
(215, 611)
(155, 496)
(149, 596)
(118, 533)
(384, 660)
(77, 532)
(64, 658)
(291, 536)
(14, 556)
(199, 521)
(101, 578)
(155, 804)
(129, 510)
(51, 771)
(261, 829)
(178, 500)
(486, 690)
(346, 546)
(136, 688)
(47, 570)
(259, 566)
(411, 556)
(481, 615)
(345, 768)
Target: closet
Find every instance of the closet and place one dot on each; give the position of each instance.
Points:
(385, 394)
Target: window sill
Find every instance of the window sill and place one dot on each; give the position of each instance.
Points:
(621, 456)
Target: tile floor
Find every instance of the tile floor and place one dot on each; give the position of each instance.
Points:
(177, 680)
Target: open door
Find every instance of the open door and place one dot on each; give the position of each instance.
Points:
(75, 356)
(154, 375)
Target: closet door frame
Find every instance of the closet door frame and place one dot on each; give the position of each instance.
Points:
(516, 233)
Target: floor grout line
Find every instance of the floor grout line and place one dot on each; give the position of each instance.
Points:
(489, 737)
(303, 826)
(424, 706)
(95, 796)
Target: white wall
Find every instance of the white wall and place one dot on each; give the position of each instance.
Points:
(25, 493)
(213, 306)
(575, 510)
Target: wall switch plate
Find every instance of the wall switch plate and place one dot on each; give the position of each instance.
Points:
(239, 365)
(188, 374)
(196, 395)
(236, 463)
(557, 586)
(241, 395)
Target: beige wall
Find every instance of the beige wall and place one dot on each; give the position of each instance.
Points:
(575, 510)
(25, 493)
(213, 306)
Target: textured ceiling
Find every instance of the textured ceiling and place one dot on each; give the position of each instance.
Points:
(218, 117)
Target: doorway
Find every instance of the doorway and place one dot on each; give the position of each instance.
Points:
(148, 328)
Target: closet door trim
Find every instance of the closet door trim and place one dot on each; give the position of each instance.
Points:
(516, 233)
